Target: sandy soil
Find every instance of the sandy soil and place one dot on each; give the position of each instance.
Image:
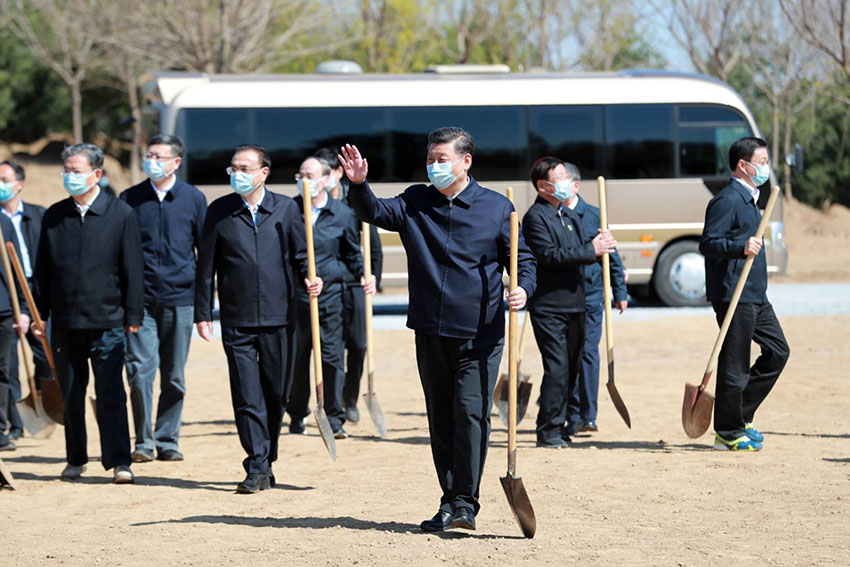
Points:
(646, 496)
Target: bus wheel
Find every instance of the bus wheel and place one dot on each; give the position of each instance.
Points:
(679, 275)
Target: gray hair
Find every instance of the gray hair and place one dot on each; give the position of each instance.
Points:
(572, 172)
(461, 140)
(93, 154)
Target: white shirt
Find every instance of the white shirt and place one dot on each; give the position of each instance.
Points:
(317, 210)
(753, 190)
(16, 218)
(252, 208)
(161, 193)
(84, 208)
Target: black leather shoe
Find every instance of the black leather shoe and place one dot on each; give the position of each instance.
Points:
(553, 443)
(5, 443)
(253, 483)
(441, 521)
(340, 434)
(15, 434)
(352, 414)
(463, 519)
(298, 426)
(169, 455)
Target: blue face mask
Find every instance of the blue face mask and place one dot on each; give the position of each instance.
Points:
(563, 190)
(314, 188)
(75, 183)
(154, 169)
(441, 174)
(242, 183)
(761, 175)
(7, 191)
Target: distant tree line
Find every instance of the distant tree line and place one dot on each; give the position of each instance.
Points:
(79, 66)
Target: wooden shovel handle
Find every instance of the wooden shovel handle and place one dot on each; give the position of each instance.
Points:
(606, 271)
(314, 301)
(366, 243)
(512, 348)
(736, 295)
(36, 316)
(16, 311)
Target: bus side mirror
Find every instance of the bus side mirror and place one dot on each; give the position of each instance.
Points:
(794, 160)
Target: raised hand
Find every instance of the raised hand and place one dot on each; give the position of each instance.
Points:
(354, 165)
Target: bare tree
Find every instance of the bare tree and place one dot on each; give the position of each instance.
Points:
(60, 35)
(823, 24)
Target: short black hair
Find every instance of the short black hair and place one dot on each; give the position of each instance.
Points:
(541, 168)
(174, 142)
(330, 155)
(20, 174)
(743, 149)
(94, 155)
(461, 140)
(265, 158)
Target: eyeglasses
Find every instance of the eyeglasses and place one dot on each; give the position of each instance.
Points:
(299, 177)
(158, 157)
(231, 170)
(86, 173)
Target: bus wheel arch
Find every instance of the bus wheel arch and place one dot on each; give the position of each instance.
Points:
(678, 277)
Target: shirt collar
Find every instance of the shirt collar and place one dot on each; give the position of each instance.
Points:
(166, 188)
(465, 195)
(89, 205)
(18, 211)
(753, 191)
(259, 203)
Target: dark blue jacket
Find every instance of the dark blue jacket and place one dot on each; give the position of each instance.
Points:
(731, 218)
(456, 251)
(561, 249)
(336, 243)
(88, 271)
(171, 234)
(10, 235)
(589, 216)
(255, 266)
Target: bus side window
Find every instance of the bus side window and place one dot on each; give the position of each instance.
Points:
(640, 141)
(571, 133)
(705, 134)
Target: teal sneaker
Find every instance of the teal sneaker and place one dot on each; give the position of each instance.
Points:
(742, 443)
(753, 433)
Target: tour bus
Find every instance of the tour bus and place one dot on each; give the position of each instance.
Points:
(660, 139)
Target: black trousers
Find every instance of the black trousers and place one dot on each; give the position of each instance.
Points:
(333, 376)
(260, 363)
(560, 338)
(72, 351)
(458, 377)
(7, 395)
(42, 371)
(354, 336)
(741, 388)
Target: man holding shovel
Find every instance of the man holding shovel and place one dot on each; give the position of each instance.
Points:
(254, 243)
(457, 237)
(727, 241)
(556, 237)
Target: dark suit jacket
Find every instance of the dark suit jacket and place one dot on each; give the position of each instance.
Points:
(10, 235)
(561, 249)
(730, 220)
(593, 292)
(88, 271)
(255, 265)
(31, 228)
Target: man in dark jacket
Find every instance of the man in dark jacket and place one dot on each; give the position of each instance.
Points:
(556, 238)
(588, 389)
(253, 243)
(88, 275)
(171, 217)
(26, 219)
(731, 221)
(457, 237)
(337, 249)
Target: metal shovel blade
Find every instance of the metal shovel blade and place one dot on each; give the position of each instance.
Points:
(6, 478)
(51, 396)
(325, 430)
(523, 394)
(35, 419)
(619, 403)
(520, 504)
(376, 413)
(696, 411)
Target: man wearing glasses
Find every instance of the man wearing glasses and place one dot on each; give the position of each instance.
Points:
(254, 243)
(731, 220)
(171, 216)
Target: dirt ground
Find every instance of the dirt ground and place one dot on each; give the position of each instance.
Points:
(645, 496)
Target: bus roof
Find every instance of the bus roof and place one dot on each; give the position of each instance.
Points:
(201, 90)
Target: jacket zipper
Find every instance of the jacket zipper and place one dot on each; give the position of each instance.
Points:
(256, 262)
(445, 272)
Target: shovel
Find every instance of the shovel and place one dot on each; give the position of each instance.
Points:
(609, 325)
(698, 404)
(31, 409)
(51, 394)
(375, 411)
(6, 478)
(514, 489)
(500, 393)
(321, 417)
